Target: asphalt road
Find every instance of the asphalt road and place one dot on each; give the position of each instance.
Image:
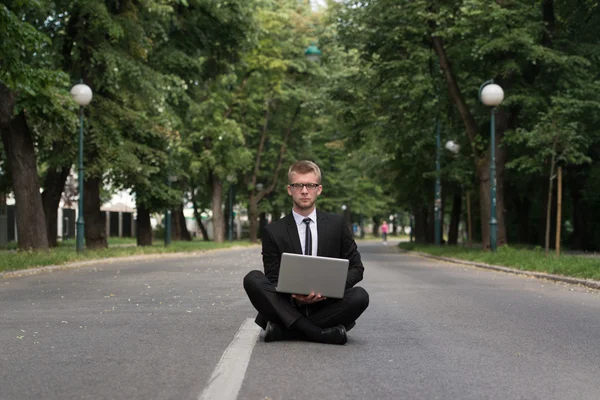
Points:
(157, 329)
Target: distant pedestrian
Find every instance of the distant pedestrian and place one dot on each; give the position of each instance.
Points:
(384, 232)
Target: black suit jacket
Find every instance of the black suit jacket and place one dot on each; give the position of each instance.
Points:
(335, 240)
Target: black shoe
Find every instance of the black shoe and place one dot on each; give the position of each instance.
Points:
(273, 332)
(335, 335)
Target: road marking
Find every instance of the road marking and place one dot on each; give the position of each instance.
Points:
(226, 380)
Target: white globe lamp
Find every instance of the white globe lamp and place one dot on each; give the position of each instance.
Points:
(82, 94)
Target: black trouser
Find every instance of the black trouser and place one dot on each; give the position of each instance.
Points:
(278, 308)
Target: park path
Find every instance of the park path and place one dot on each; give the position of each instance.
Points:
(166, 328)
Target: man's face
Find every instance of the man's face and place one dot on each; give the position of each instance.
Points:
(304, 198)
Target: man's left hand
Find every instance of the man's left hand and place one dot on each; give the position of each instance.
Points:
(309, 299)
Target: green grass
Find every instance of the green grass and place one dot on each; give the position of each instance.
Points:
(519, 258)
(11, 259)
(370, 236)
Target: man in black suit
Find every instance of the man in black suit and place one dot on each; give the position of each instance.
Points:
(311, 317)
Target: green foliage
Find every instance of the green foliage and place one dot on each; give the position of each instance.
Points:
(550, 139)
(199, 88)
(28, 68)
(390, 90)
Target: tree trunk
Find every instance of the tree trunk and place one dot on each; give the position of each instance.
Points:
(184, 233)
(455, 218)
(469, 222)
(442, 214)
(198, 218)
(253, 217)
(262, 222)
(420, 226)
(227, 215)
(94, 219)
(29, 211)
(53, 188)
(175, 225)
(484, 205)
(430, 238)
(549, 211)
(144, 226)
(3, 222)
(376, 224)
(550, 187)
(255, 198)
(217, 203)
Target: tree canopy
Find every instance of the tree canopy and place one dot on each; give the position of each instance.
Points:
(196, 99)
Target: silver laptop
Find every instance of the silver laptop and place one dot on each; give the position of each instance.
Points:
(299, 274)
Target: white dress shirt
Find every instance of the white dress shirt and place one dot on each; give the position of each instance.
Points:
(302, 229)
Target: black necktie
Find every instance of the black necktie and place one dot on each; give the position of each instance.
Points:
(308, 238)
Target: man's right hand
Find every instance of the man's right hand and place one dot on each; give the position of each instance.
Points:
(308, 299)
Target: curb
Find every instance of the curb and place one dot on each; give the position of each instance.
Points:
(541, 275)
(109, 260)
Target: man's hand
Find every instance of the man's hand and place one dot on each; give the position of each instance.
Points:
(310, 299)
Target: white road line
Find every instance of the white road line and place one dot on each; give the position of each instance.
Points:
(226, 380)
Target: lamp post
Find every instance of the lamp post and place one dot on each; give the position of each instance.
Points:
(231, 180)
(168, 223)
(454, 148)
(492, 95)
(312, 53)
(437, 208)
(82, 94)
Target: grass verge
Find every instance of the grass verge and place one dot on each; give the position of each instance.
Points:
(370, 236)
(519, 258)
(12, 260)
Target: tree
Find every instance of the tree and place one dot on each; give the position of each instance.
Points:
(107, 44)
(553, 141)
(31, 90)
(528, 48)
(205, 42)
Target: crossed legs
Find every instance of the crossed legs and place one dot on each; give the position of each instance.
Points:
(277, 308)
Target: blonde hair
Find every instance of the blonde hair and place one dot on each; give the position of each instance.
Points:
(304, 167)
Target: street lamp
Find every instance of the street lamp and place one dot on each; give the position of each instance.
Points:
(453, 147)
(437, 207)
(231, 180)
(82, 94)
(312, 53)
(492, 95)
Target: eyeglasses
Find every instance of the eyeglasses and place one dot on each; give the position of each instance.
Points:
(309, 186)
